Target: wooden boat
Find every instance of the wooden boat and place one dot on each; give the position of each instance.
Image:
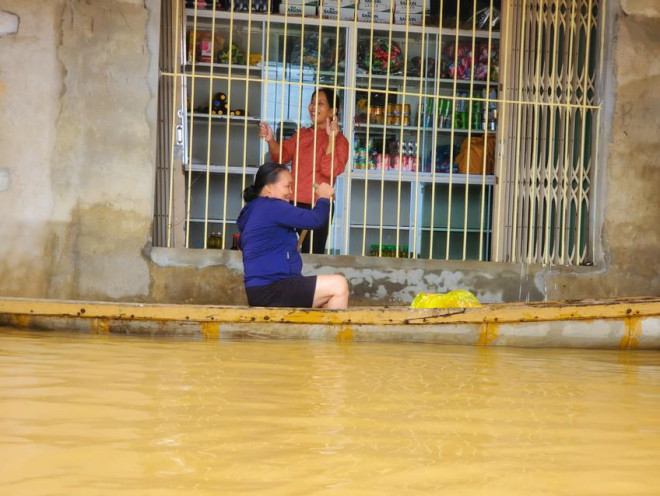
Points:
(630, 323)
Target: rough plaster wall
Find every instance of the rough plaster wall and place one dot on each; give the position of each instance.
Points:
(631, 234)
(82, 119)
(30, 84)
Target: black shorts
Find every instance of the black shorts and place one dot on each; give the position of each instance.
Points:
(290, 292)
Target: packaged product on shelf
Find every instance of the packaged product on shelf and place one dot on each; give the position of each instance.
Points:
(472, 150)
(383, 55)
(205, 46)
(200, 4)
(340, 4)
(412, 6)
(409, 19)
(237, 56)
(443, 158)
(485, 17)
(308, 50)
(415, 67)
(377, 5)
(214, 241)
(343, 13)
(297, 10)
(254, 59)
(247, 5)
(378, 16)
(463, 60)
(376, 115)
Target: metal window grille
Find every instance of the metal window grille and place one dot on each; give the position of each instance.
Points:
(472, 125)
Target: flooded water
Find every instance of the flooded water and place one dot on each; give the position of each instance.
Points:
(98, 415)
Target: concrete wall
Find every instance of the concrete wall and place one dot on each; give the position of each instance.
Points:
(78, 117)
(631, 157)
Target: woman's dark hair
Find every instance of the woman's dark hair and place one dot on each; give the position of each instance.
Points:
(266, 174)
(333, 98)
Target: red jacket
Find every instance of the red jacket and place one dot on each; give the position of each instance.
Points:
(303, 166)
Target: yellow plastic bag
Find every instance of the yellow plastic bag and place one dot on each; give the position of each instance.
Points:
(459, 298)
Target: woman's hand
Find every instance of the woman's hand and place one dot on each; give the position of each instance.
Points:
(324, 190)
(266, 132)
(332, 127)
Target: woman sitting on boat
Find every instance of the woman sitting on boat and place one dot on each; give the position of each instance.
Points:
(271, 262)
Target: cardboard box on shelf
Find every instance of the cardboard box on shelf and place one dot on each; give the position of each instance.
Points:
(308, 3)
(340, 4)
(379, 17)
(412, 6)
(378, 5)
(345, 13)
(297, 10)
(411, 19)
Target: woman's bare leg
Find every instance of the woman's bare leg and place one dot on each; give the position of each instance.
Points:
(331, 291)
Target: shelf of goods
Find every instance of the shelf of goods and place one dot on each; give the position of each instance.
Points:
(407, 120)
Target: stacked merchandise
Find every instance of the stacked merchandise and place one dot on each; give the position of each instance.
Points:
(248, 5)
(338, 9)
(378, 11)
(401, 155)
(411, 12)
(460, 64)
(305, 8)
(235, 5)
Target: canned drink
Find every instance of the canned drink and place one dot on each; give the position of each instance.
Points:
(390, 112)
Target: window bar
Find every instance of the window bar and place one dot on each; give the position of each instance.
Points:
(535, 136)
(581, 164)
(420, 104)
(227, 127)
(247, 102)
(368, 129)
(435, 102)
(501, 216)
(400, 151)
(528, 171)
(384, 134)
(552, 137)
(568, 149)
(301, 105)
(265, 81)
(452, 136)
(514, 251)
(352, 70)
(191, 114)
(484, 122)
(336, 107)
(319, 44)
(175, 63)
(208, 131)
(470, 104)
(284, 88)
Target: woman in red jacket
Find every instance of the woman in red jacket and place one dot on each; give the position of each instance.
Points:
(318, 154)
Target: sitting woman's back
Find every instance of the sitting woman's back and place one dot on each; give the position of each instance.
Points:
(271, 262)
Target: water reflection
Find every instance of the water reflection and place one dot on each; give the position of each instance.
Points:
(84, 414)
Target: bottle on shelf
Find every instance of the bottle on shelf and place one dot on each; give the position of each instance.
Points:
(214, 241)
(235, 241)
(492, 111)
